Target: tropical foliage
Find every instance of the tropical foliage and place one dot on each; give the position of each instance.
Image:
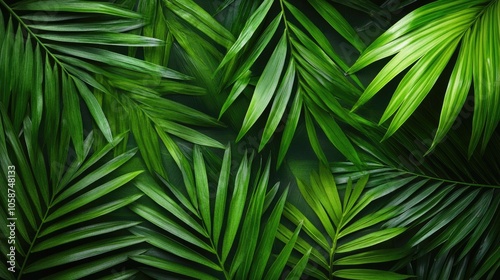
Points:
(247, 139)
(429, 36)
(240, 255)
(335, 214)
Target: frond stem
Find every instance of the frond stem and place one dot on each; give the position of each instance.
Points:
(446, 180)
(33, 241)
(285, 21)
(334, 247)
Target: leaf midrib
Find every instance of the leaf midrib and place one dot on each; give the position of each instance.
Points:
(35, 237)
(448, 181)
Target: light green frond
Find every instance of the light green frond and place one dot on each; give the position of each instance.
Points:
(297, 58)
(427, 38)
(233, 238)
(322, 196)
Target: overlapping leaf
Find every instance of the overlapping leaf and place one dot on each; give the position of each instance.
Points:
(68, 60)
(228, 236)
(337, 214)
(450, 219)
(191, 12)
(57, 214)
(44, 75)
(427, 38)
(222, 223)
(313, 68)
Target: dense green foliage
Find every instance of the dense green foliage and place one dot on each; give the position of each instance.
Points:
(247, 139)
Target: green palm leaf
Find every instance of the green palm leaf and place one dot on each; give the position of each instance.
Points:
(248, 30)
(57, 216)
(427, 38)
(189, 11)
(450, 219)
(231, 239)
(322, 196)
(266, 85)
(313, 70)
(45, 99)
(79, 56)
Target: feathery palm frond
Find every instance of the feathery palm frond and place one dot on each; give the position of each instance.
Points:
(450, 202)
(451, 221)
(52, 216)
(83, 45)
(198, 55)
(427, 38)
(142, 108)
(229, 236)
(446, 266)
(343, 240)
(51, 26)
(146, 113)
(302, 72)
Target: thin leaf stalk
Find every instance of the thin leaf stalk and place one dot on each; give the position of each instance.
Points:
(227, 274)
(285, 21)
(219, 259)
(35, 237)
(447, 180)
(334, 247)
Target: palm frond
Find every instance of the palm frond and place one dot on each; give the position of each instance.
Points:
(427, 38)
(196, 16)
(157, 28)
(80, 42)
(450, 200)
(51, 218)
(52, 74)
(302, 67)
(231, 236)
(344, 237)
(449, 220)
